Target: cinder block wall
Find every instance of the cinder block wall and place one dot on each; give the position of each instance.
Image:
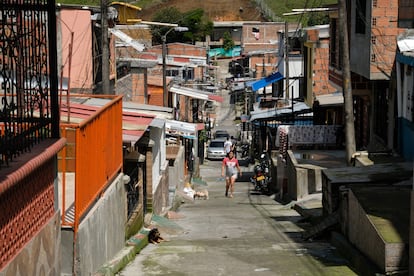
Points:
(102, 233)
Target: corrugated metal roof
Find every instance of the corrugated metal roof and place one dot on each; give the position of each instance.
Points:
(134, 124)
(129, 41)
(196, 93)
(276, 113)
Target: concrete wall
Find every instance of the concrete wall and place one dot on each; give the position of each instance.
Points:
(360, 233)
(102, 233)
(303, 179)
(79, 22)
(367, 232)
(41, 256)
(160, 194)
(176, 178)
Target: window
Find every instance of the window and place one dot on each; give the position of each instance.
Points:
(360, 16)
(256, 33)
(188, 74)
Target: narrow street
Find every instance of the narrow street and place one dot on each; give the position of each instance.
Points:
(250, 234)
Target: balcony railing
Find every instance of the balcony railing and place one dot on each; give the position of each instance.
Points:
(91, 159)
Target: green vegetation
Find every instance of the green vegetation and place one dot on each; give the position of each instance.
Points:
(228, 42)
(278, 7)
(95, 3)
(198, 25)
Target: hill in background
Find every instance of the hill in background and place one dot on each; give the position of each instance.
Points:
(216, 10)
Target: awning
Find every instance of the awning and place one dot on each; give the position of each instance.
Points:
(183, 129)
(274, 77)
(280, 113)
(127, 40)
(196, 93)
(330, 99)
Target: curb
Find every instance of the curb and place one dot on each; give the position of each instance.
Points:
(133, 246)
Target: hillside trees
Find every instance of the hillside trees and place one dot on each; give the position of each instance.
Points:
(198, 25)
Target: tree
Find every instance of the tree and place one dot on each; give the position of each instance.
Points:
(228, 42)
(318, 18)
(166, 15)
(198, 25)
(350, 147)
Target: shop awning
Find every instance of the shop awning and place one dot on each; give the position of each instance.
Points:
(196, 93)
(274, 77)
(330, 99)
(183, 129)
(280, 113)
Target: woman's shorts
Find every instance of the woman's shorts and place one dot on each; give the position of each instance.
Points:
(234, 176)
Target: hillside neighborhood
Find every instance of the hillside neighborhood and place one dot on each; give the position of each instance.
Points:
(102, 129)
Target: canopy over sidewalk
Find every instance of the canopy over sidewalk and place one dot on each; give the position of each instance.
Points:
(274, 77)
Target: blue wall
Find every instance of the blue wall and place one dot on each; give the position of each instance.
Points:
(407, 139)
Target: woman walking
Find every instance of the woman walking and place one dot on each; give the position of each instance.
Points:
(229, 169)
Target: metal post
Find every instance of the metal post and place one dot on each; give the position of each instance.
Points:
(287, 62)
(105, 48)
(164, 71)
(175, 27)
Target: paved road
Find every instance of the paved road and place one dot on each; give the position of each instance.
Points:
(249, 234)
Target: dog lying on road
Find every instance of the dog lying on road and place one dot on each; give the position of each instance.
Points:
(154, 236)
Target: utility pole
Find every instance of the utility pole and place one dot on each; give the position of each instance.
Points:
(346, 84)
(287, 61)
(105, 48)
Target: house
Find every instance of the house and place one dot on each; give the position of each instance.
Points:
(373, 28)
(78, 53)
(379, 102)
(405, 94)
(319, 93)
(30, 140)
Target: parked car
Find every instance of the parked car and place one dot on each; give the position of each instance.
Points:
(221, 134)
(215, 149)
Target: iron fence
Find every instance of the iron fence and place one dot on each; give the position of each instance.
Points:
(27, 76)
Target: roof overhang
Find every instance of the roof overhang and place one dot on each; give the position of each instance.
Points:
(274, 77)
(280, 113)
(196, 93)
(183, 129)
(330, 99)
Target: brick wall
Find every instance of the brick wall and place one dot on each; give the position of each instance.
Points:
(263, 64)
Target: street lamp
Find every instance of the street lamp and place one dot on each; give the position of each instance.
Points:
(164, 66)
